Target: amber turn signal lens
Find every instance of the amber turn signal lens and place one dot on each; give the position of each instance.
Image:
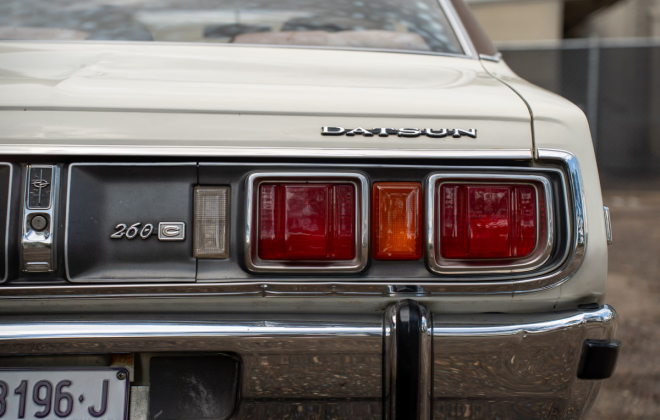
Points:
(397, 220)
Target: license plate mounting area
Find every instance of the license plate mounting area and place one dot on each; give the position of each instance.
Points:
(84, 393)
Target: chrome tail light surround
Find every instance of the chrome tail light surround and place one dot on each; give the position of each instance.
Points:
(570, 247)
(539, 256)
(362, 200)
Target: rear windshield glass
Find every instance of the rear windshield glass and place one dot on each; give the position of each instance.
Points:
(413, 25)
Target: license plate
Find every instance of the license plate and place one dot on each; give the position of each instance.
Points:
(64, 393)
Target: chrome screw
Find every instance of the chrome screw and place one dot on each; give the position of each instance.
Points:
(121, 375)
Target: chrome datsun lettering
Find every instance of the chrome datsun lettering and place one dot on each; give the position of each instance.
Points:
(401, 132)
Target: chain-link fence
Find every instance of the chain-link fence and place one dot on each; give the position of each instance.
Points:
(617, 85)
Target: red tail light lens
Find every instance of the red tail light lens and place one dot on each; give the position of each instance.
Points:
(306, 222)
(397, 220)
(489, 221)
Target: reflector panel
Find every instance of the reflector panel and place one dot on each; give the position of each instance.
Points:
(210, 238)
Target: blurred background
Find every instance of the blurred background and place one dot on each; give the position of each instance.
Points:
(604, 56)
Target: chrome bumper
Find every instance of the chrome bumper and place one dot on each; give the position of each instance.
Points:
(351, 367)
(515, 366)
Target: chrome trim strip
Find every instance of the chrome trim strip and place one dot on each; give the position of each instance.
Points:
(497, 57)
(290, 152)
(578, 209)
(68, 197)
(440, 265)
(7, 223)
(205, 111)
(387, 165)
(389, 362)
(608, 225)
(459, 29)
(227, 45)
(271, 288)
(426, 365)
(105, 335)
(244, 333)
(548, 322)
(255, 264)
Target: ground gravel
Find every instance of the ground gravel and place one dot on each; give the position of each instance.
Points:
(634, 290)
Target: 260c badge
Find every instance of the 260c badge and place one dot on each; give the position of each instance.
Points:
(167, 231)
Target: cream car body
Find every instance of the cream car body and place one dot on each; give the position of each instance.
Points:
(264, 106)
(190, 101)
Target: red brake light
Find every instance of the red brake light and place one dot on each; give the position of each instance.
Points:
(489, 221)
(397, 220)
(307, 222)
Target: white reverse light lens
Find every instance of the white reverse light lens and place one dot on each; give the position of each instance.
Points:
(210, 237)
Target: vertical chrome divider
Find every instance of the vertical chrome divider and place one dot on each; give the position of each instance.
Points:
(389, 363)
(426, 364)
(5, 274)
(407, 361)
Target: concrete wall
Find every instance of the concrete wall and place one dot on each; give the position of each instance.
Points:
(527, 20)
(625, 19)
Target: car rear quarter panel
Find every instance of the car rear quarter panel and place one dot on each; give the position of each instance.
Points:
(559, 124)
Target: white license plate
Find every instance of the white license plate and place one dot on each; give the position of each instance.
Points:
(64, 393)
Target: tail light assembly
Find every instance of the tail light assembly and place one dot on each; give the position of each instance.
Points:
(485, 224)
(307, 222)
(469, 223)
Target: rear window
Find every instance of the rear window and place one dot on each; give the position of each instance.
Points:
(411, 25)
